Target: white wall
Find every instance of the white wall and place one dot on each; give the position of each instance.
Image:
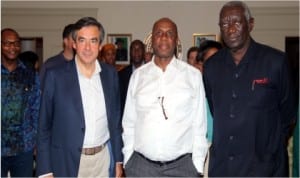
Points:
(273, 20)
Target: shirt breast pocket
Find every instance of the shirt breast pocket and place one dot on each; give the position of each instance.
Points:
(262, 96)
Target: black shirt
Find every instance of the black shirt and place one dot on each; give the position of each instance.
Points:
(252, 106)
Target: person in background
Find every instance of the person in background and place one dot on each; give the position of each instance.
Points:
(30, 59)
(148, 56)
(66, 55)
(251, 99)
(206, 49)
(80, 111)
(191, 56)
(108, 54)
(20, 103)
(137, 54)
(164, 119)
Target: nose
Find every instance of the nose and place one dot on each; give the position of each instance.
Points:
(87, 45)
(231, 28)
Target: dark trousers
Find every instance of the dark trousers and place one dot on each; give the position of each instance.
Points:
(19, 166)
(140, 166)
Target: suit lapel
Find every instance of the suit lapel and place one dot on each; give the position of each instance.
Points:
(105, 86)
(73, 83)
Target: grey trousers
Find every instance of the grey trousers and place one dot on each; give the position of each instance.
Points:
(139, 166)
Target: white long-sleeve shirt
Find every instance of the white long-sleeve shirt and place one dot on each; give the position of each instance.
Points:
(96, 130)
(147, 131)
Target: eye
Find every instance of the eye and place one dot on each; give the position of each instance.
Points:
(158, 34)
(94, 41)
(170, 34)
(81, 40)
(224, 25)
(11, 43)
(237, 24)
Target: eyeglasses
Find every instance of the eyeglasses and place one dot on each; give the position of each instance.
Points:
(161, 102)
(11, 43)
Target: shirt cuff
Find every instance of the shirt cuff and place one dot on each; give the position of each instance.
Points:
(46, 175)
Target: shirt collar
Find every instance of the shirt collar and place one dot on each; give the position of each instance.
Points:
(20, 65)
(172, 65)
(97, 69)
(246, 58)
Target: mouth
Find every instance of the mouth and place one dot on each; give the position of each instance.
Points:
(87, 54)
(164, 47)
(232, 38)
(12, 54)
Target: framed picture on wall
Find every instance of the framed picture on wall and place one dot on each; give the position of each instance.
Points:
(199, 38)
(122, 42)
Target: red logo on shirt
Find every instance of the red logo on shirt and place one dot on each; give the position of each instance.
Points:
(261, 81)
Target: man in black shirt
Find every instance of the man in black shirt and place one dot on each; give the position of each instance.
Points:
(249, 94)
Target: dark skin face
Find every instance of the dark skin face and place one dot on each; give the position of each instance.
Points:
(137, 53)
(109, 56)
(164, 41)
(10, 49)
(235, 30)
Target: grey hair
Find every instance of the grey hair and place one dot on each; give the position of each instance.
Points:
(88, 21)
(247, 12)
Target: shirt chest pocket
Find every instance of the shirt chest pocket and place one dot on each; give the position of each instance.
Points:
(262, 96)
(171, 101)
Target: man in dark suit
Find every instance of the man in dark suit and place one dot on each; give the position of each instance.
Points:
(65, 55)
(250, 95)
(137, 56)
(80, 112)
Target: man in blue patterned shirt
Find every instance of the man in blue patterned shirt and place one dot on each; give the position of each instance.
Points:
(20, 100)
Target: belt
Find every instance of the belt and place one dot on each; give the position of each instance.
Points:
(163, 163)
(92, 151)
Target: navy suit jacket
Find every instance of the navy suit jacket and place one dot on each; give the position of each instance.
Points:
(62, 127)
(124, 78)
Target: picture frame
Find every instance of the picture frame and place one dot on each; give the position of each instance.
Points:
(199, 37)
(122, 43)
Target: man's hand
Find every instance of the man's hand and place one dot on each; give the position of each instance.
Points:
(119, 170)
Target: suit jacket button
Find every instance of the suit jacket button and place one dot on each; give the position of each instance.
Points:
(82, 129)
(79, 149)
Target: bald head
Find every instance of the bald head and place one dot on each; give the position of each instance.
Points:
(165, 20)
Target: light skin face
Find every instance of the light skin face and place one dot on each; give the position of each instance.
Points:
(87, 45)
(164, 41)
(10, 48)
(235, 30)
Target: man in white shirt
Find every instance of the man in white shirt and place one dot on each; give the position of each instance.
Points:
(164, 119)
